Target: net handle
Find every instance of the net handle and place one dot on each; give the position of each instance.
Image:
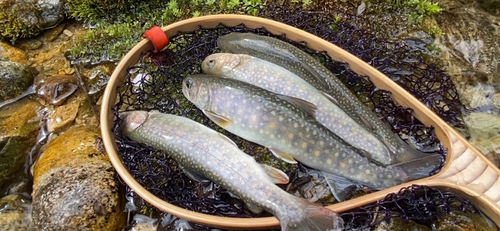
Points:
(453, 176)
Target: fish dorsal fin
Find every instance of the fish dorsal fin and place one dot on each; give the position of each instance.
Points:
(218, 119)
(305, 106)
(278, 176)
(315, 74)
(283, 156)
(227, 139)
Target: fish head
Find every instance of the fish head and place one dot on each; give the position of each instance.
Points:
(131, 120)
(196, 90)
(220, 63)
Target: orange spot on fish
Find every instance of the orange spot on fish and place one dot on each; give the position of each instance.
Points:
(272, 125)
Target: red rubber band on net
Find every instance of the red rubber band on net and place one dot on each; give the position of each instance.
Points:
(157, 37)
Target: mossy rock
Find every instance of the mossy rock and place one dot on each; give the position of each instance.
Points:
(24, 19)
(14, 79)
(75, 185)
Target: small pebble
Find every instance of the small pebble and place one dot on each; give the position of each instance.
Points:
(68, 33)
(31, 44)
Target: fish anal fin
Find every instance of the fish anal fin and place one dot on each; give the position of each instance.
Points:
(218, 119)
(305, 106)
(339, 185)
(227, 139)
(283, 156)
(277, 176)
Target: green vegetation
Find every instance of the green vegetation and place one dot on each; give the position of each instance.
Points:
(119, 26)
(13, 20)
(424, 8)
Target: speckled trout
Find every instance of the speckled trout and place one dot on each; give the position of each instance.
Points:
(213, 155)
(279, 80)
(312, 71)
(285, 126)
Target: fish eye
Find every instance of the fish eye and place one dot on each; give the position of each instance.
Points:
(211, 63)
(189, 83)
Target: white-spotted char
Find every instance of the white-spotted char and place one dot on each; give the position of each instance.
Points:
(315, 73)
(213, 155)
(290, 132)
(279, 80)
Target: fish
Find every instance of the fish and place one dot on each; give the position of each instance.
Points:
(286, 126)
(277, 79)
(315, 73)
(208, 153)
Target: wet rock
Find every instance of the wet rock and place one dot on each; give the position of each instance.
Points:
(484, 131)
(18, 131)
(23, 19)
(12, 53)
(492, 6)
(14, 79)
(461, 221)
(53, 34)
(75, 185)
(68, 33)
(478, 96)
(30, 44)
(15, 213)
(63, 117)
(143, 223)
(397, 224)
(55, 89)
(495, 100)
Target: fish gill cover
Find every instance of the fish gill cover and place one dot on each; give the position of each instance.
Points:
(155, 83)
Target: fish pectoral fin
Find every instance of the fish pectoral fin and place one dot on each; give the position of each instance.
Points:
(194, 175)
(277, 176)
(315, 74)
(305, 106)
(254, 208)
(339, 186)
(218, 119)
(227, 139)
(283, 156)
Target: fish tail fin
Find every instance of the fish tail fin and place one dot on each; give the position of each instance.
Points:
(421, 167)
(409, 153)
(312, 217)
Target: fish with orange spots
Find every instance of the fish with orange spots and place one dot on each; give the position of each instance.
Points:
(287, 127)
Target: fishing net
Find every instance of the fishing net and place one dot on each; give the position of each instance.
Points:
(154, 83)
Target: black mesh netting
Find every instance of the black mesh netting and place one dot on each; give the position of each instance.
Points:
(155, 83)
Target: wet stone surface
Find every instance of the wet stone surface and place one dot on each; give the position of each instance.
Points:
(15, 213)
(14, 79)
(75, 185)
(18, 131)
(460, 221)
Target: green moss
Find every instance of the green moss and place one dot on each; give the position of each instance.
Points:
(118, 27)
(14, 20)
